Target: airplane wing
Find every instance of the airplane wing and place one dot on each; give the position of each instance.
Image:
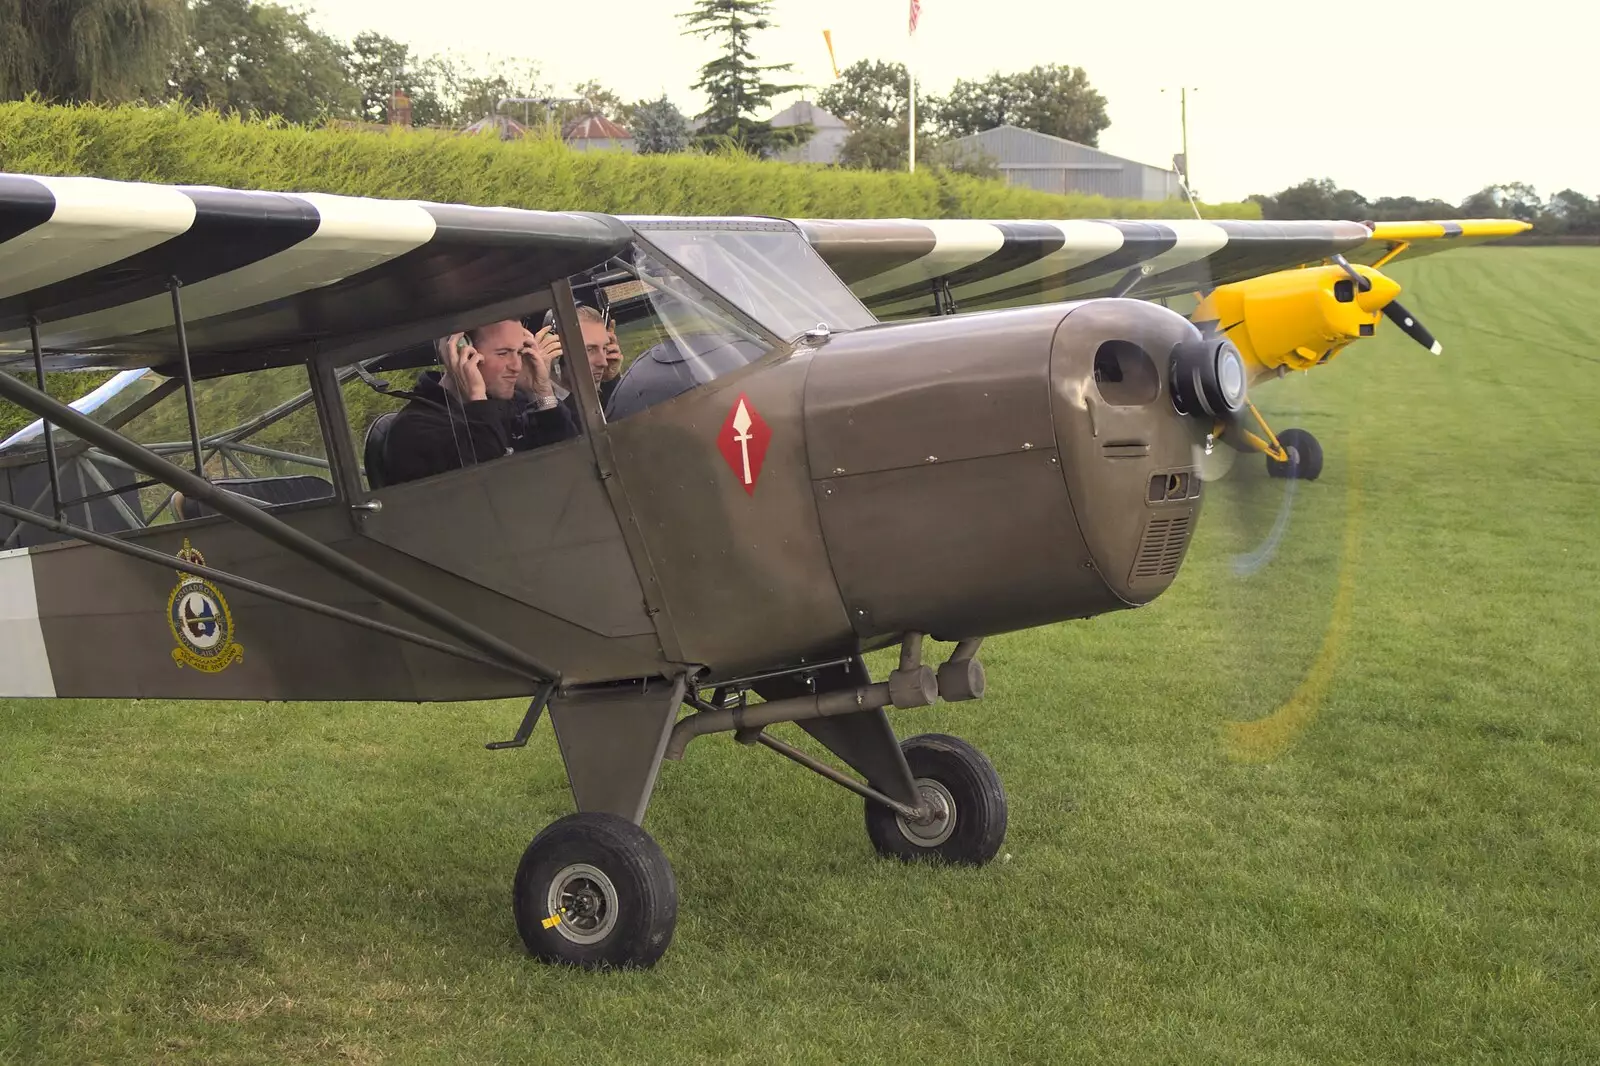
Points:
(1393, 241)
(267, 278)
(894, 265)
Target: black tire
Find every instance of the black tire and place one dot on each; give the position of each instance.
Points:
(951, 773)
(624, 917)
(1305, 456)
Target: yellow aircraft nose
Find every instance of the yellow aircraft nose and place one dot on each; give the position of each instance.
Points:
(1383, 289)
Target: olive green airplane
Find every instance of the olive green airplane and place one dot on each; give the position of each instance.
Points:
(716, 458)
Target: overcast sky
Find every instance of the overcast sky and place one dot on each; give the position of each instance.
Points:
(1416, 97)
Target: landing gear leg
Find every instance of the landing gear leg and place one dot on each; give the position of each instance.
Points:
(593, 888)
(956, 789)
(864, 740)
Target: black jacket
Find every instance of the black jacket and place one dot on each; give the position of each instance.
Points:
(436, 432)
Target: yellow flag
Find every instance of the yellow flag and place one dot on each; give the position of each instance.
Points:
(827, 35)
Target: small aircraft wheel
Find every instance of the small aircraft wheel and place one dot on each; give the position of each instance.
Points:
(1305, 456)
(595, 890)
(967, 822)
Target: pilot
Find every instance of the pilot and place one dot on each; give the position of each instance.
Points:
(495, 396)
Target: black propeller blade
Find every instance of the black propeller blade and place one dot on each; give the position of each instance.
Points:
(1397, 314)
(1413, 329)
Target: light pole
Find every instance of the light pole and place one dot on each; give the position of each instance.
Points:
(1183, 122)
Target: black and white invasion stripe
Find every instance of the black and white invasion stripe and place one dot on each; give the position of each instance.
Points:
(92, 260)
(892, 264)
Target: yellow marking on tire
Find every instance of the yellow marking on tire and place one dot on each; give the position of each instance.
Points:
(552, 921)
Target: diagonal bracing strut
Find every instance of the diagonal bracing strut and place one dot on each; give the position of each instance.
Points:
(251, 517)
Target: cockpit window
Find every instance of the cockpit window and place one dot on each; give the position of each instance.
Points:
(771, 274)
(259, 438)
(671, 335)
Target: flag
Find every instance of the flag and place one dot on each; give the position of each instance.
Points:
(916, 9)
(827, 35)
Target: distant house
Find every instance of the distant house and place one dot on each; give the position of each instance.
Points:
(1055, 164)
(597, 133)
(825, 142)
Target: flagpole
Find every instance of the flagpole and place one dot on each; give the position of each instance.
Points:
(911, 134)
(911, 69)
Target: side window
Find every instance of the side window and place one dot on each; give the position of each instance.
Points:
(493, 390)
(259, 437)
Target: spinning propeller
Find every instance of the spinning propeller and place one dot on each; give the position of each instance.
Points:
(1260, 608)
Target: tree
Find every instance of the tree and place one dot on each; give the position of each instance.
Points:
(658, 127)
(883, 147)
(478, 95)
(1408, 208)
(869, 93)
(1060, 101)
(590, 98)
(379, 65)
(1048, 99)
(871, 97)
(260, 58)
(1569, 211)
(877, 146)
(734, 83)
(1314, 198)
(105, 51)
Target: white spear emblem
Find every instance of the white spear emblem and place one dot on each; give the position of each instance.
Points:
(741, 434)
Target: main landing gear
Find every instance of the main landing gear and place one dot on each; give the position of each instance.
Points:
(594, 890)
(1305, 456)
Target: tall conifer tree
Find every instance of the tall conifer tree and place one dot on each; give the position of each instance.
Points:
(734, 82)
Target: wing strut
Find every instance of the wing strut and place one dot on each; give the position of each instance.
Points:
(274, 529)
(49, 440)
(188, 376)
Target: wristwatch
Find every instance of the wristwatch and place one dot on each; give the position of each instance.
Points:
(545, 403)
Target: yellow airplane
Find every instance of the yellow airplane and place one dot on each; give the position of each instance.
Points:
(1301, 318)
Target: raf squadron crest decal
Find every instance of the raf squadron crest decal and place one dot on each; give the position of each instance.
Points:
(200, 620)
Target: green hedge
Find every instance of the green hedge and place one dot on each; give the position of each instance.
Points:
(172, 145)
(175, 146)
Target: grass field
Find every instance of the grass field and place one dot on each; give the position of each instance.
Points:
(1401, 865)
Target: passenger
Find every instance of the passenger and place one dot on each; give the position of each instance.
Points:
(597, 339)
(613, 373)
(496, 396)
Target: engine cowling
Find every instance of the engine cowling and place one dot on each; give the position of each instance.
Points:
(1296, 319)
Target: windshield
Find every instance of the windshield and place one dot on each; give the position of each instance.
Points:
(670, 336)
(770, 272)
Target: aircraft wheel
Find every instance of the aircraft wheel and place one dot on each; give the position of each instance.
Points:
(1305, 456)
(968, 823)
(595, 890)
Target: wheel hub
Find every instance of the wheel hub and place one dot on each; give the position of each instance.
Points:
(586, 902)
(935, 827)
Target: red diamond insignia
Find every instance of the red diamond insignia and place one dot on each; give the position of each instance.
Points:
(743, 442)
